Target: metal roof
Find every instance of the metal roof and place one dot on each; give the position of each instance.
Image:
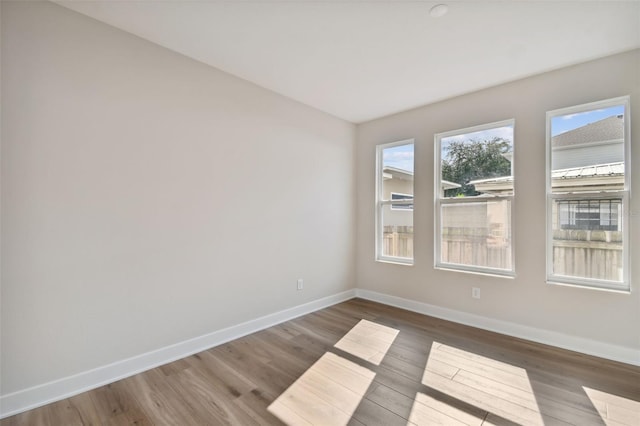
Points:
(596, 170)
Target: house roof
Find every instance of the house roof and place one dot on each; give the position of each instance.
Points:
(492, 180)
(598, 175)
(499, 185)
(607, 129)
(394, 172)
(503, 183)
(596, 170)
(390, 172)
(449, 185)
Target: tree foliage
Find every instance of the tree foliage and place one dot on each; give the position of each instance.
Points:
(464, 161)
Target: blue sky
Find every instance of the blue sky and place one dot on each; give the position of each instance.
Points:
(505, 133)
(400, 157)
(564, 123)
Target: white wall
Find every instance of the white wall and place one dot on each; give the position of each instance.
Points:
(148, 198)
(527, 301)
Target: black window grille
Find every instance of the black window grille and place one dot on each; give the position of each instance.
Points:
(589, 214)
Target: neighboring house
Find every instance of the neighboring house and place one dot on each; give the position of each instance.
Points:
(398, 229)
(400, 181)
(397, 185)
(595, 177)
(589, 159)
(600, 142)
(586, 159)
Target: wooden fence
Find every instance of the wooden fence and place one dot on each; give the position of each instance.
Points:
(397, 241)
(590, 254)
(476, 250)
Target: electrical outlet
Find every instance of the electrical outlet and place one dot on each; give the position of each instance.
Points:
(475, 292)
(300, 284)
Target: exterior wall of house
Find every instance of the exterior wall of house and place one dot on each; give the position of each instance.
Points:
(397, 217)
(581, 155)
(397, 232)
(526, 299)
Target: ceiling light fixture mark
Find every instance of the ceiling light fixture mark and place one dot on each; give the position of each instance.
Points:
(439, 10)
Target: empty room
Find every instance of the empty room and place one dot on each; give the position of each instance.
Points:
(310, 212)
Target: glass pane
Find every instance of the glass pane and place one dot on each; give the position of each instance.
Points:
(587, 151)
(397, 186)
(397, 173)
(397, 232)
(587, 157)
(477, 163)
(588, 239)
(477, 234)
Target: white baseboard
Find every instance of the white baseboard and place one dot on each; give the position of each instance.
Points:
(37, 396)
(552, 338)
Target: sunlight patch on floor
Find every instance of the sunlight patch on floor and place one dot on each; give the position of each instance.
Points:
(368, 341)
(614, 409)
(491, 385)
(428, 410)
(329, 392)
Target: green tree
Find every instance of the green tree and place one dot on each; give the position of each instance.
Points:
(464, 161)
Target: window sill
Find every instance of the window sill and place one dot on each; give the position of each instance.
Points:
(507, 274)
(559, 283)
(396, 261)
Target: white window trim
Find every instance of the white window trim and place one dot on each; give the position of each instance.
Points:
(624, 194)
(438, 202)
(380, 203)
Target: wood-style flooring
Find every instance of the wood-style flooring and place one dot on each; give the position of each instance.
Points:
(363, 363)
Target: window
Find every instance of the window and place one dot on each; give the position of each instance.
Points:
(394, 202)
(589, 214)
(474, 189)
(588, 195)
(395, 196)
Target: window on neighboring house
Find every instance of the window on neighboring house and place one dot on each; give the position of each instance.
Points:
(589, 214)
(394, 202)
(395, 197)
(474, 189)
(588, 195)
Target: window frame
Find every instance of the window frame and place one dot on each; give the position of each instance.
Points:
(440, 201)
(623, 195)
(381, 203)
